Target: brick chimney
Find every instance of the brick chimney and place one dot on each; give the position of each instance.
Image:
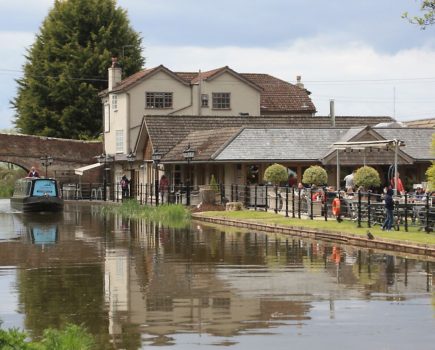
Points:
(115, 74)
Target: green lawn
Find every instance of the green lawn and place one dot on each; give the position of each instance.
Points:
(412, 236)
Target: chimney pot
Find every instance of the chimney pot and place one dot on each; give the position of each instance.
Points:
(114, 62)
(299, 82)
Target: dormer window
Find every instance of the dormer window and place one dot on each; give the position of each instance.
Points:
(204, 100)
(221, 100)
(158, 100)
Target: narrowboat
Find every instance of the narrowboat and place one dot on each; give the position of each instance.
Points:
(37, 195)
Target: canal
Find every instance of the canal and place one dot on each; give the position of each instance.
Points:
(137, 284)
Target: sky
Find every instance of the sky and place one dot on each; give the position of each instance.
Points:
(361, 54)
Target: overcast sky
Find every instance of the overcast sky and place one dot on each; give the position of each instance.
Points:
(362, 54)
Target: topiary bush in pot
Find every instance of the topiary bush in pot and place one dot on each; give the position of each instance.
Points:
(275, 174)
(367, 177)
(315, 175)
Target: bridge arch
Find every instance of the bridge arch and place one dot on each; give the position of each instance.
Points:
(26, 151)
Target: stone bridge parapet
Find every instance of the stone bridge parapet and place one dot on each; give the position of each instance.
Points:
(26, 151)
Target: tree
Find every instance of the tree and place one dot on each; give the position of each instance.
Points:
(367, 177)
(428, 17)
(315, 175)
(213, 184)
(276, 173)
(430, 173)
(66, 68)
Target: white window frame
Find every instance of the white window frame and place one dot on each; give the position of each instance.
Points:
(204, 100)
(119, 141)
(158, 100)
(221, 100)
(114, 98)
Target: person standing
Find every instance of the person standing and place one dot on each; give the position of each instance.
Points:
(33, 172)
(125, 182)
(389, 208)
(349, 182)
(400, 189)
(163, 188)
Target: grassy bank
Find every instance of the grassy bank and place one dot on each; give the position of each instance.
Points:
(72, 337)
(412, 236)
(174, 215)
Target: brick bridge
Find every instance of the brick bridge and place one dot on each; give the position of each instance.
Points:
(26, 151)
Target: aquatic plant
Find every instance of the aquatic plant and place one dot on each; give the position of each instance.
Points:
(70, 338)
(7, 180)
(173, 215)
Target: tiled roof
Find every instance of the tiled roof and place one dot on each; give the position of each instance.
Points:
(204, 142)
(421, 123)
(280, 144)
(268, 144)
(280, 96)
(417, 140)
(277, 96)
(166, 132)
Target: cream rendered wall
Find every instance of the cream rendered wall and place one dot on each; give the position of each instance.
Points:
(160, 82)
(132, 103)
(244, 98)
(118, 121)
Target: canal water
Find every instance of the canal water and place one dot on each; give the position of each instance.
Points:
(136, 284)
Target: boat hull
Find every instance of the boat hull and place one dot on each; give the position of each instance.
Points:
(37, 204)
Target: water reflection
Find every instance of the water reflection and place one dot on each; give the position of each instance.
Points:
(136, 283)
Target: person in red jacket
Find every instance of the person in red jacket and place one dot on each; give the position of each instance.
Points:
(400, 188)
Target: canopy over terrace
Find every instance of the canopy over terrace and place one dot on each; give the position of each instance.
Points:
(369, 146)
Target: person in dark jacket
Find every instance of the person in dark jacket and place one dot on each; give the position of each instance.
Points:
(389, 207)
(125, 186)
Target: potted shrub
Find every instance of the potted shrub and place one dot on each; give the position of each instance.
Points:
(315, 175)
(275, 174)
(210, 193)
(213, 184)
(367, 177)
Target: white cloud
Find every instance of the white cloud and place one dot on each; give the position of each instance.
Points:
(361, 80)
(352, 73)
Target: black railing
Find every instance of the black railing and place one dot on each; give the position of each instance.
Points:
(311, 203)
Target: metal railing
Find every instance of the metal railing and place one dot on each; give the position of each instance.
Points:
(310, 203)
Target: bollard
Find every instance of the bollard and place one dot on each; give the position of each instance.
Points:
(359, 208)
(368, 210)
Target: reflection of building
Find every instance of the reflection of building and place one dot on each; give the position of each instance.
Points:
(116, 286)
(141, 282)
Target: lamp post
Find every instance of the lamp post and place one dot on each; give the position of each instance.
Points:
(104, 159)
(46, 161)
(188, 154)
(156, 157)
(131, 157)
